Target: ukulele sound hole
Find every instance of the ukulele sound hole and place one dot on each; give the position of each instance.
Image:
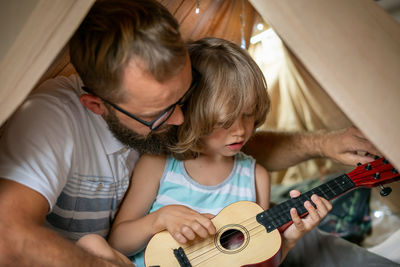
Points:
(232, 239)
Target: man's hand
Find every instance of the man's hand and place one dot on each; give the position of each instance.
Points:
(280, 150)
(348, 146)
(186, 224)
(301, 226)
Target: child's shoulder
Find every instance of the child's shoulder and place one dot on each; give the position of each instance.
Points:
(241, 156)
(250, 160)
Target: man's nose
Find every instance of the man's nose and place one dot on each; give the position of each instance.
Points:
(177, 116)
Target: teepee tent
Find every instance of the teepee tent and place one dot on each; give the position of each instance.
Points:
(350, 48)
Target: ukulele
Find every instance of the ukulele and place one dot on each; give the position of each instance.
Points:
(249, 236)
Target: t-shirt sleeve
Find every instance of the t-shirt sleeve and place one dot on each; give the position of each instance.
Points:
(36, 146)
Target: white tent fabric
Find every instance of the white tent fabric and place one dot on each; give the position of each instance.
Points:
(34, 32)
(298, 103)
(352, 48)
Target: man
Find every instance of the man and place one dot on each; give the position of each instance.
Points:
(67, 155)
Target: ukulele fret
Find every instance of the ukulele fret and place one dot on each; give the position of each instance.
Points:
(279, 215)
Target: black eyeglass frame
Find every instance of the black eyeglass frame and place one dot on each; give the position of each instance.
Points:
(196, 76)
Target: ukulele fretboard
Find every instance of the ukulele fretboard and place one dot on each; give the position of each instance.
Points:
(279, 215)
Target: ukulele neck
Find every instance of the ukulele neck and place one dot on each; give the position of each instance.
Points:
(279, 215)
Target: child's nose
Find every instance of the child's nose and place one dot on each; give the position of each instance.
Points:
(238, 127)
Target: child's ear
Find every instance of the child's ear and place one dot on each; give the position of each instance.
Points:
(93, 103)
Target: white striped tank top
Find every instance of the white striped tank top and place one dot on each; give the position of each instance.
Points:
(178, 188)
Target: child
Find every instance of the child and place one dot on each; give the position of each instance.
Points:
(220, 117)
(208, 172)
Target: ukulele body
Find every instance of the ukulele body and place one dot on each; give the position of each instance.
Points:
(240, 241)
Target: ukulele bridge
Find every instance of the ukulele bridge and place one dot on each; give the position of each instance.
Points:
(181, 257)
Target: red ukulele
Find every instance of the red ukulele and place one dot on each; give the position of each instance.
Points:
(248, 236)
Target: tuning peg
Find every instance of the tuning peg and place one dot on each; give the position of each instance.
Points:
(385, 161)
(368, 167)
(376, 157)
(377, 176)
(359, 164)
(385, 191)
(395, 171)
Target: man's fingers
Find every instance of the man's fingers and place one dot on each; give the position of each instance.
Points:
(363, 144)
(354, 158)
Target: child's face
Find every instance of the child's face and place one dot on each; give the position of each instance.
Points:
(228, 142)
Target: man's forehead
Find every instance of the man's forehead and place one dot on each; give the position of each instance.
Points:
(147, 93)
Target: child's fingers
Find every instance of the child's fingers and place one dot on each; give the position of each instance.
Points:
(323, 205)
(312, 212)
(199, 229)
(179, 237)
(297, 221)
(294, 193)
(207, 223)
(208, 215)
(188, 232)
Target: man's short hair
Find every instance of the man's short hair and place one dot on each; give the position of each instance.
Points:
(117, 31)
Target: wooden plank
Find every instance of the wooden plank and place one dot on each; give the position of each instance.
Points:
(352, 48)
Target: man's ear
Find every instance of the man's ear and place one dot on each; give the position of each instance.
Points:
(93, 103)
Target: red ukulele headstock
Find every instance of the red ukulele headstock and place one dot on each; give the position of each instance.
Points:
(375, 173)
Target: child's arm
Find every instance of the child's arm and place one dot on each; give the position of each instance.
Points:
(263, 186)
(132, 228)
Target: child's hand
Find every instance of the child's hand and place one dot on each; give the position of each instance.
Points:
(303, 225)
(185, 224)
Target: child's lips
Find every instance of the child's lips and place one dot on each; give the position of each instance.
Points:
(235, 146)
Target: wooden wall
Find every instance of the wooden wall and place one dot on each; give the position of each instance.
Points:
(216, 18)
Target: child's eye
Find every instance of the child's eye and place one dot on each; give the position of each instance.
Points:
(219, 125)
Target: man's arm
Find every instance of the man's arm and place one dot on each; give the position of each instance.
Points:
(280, 150)
(25, 241)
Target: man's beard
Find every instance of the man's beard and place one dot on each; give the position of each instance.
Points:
(153, 143)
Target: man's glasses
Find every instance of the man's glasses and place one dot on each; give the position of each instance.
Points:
(164, 116)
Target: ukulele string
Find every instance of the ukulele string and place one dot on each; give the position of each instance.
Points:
(250, 224)
(227, 236)
(251, 221)
(247, 223)
(208, 257)
(214, 251)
